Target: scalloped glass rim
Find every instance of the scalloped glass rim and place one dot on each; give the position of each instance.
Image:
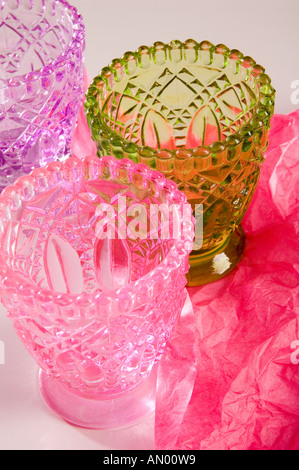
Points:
(73, 169)
(261, 116)
(76, 42)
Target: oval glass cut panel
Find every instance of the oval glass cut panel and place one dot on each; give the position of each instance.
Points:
(156, 132)
(63, 267)
(112, 260)
(204, 128)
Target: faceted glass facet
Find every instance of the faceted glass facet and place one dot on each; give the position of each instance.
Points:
(41, 82)
(200, 114)
(93, 296)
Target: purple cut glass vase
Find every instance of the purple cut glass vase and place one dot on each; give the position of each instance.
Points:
(93, 258)
(41, 83)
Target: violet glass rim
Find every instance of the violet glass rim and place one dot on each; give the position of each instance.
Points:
(76, 42)
(260, 120)
(73, 170)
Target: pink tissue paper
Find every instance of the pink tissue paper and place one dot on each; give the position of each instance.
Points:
(246, 391)
(229, 379)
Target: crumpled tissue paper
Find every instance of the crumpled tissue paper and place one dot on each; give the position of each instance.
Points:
(246, 391)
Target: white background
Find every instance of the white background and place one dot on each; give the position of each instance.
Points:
(266, 30)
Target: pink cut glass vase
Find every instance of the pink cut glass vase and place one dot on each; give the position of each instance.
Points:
(93, 258)
(41, 83)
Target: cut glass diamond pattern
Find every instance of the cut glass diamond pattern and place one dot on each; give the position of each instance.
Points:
(197, 112)
(41, 72)
(57, 284)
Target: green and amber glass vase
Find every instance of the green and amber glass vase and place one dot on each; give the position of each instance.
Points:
(200, 114)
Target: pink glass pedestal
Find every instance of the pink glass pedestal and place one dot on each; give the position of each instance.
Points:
(98, 310)
(113, 412)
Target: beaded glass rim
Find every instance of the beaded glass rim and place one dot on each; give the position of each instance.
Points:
(76, 42)
(261, 117)
(71, 170)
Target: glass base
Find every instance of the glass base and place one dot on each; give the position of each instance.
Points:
(114, 412)
(211, 266)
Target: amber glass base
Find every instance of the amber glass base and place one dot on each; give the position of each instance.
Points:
(213, 265)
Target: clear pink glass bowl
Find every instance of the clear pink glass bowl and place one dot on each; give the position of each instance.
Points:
(41, 83)
(95, 311)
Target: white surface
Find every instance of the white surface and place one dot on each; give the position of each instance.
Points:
(267, 30)
(26, 423)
